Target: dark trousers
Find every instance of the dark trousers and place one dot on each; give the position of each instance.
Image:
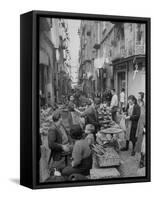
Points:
(83, 168)
(69, 170)
(114, 116)
(114, 113)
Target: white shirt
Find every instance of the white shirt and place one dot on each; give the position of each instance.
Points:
(114, 101)
(122, 97)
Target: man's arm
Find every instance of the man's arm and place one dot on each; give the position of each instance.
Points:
(86, 112)
(83, 114)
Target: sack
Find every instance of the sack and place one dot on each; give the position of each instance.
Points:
(122, 124)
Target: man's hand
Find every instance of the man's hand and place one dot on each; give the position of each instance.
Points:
(128, 117)
(65, 148)
(72, 163)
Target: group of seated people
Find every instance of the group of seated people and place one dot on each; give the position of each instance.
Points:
(70, 151)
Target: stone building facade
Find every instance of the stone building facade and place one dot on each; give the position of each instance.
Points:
(54, 66)
(112, 55)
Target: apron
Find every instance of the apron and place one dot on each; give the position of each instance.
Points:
(139, 132)
(129, 123)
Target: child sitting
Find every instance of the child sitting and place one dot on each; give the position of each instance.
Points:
(89, 134)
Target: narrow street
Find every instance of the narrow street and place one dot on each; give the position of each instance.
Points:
(92, 77)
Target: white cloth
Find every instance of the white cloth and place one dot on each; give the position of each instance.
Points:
(143, 145)
(64, 135)
(129, 122)
(114, 101)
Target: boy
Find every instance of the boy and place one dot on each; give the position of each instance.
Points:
(89, 134)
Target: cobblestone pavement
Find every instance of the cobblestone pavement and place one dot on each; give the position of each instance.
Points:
(130, 165)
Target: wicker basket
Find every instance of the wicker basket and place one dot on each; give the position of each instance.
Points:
(103, 173)
(108, 161)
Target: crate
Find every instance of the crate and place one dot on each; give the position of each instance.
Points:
(109, 159)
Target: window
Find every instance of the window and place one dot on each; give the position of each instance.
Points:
(139, 34)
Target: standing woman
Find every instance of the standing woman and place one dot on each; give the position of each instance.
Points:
(133, 114)
(141, 123)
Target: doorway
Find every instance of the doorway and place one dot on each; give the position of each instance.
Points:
(121, 82)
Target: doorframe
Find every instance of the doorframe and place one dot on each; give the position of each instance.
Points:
(118, 69)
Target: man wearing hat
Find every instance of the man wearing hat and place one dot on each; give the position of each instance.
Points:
(91, 114)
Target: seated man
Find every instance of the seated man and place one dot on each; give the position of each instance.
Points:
(58, 142)
(81, 155)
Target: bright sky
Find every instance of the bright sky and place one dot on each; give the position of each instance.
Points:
(74, 45)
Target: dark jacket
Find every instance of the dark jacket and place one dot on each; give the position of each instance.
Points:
(91, 116)
(55, 142)
(134, 118)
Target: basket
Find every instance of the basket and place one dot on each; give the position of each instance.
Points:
(110, 158)
(104, 173)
